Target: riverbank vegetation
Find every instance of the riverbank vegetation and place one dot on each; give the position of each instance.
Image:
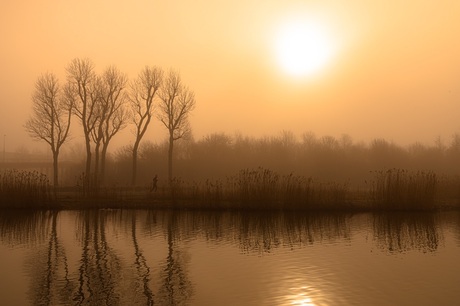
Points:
(25, 189)
(249, 189)
(235, 172)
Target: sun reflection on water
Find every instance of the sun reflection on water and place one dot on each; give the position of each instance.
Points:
(303, 302)
(302, 298)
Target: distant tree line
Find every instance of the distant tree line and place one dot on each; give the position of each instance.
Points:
(104, 104)
(324, 158)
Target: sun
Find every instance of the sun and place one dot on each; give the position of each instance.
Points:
(302, 48)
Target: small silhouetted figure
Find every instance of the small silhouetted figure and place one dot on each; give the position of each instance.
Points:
(154, 184)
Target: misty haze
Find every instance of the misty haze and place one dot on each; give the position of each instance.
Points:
(229, 153)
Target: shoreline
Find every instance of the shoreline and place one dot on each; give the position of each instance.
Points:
(259, 190)
(136, 199)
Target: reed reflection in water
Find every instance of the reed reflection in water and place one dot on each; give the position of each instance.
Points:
(147, 257)
(400, 232)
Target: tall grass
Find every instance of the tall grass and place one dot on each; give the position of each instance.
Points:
(263, 188)
(256, 189)
(24, 189)
(448, 191)
(399, 189)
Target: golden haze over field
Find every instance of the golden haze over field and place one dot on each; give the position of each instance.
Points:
(392, 68)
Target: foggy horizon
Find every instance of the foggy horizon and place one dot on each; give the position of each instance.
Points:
(392, 71)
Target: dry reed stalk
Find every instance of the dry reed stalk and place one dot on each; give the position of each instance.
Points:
(400, 189)
(24, 189)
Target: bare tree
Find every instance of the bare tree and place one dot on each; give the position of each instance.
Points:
(100, 113)
(176, 103)
(110, 115)
(50, 120)
(114, 101)
(143, 91)
(82, 90)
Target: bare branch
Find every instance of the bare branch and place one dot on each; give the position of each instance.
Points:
(142, 95)
(176, 103)
(50, 119)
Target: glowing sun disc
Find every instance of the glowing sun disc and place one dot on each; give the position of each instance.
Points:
(302, 48)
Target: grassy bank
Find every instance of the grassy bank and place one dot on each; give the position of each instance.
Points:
(255, 189)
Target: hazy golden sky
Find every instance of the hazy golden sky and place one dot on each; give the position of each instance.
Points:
(394, 72)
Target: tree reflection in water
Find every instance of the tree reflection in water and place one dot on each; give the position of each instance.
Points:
(47, 266)
(100, 267)
(50, 279)
(176, 287)
(105, 268)
(142, 268)
(101, 275)
(168, 283)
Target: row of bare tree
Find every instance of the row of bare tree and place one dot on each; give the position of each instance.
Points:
(104, 104)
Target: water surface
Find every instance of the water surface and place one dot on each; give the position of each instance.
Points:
(148, 257)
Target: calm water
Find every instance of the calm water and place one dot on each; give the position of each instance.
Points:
(115, 257)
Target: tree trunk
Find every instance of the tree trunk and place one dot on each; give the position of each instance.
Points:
(135, 150)
(170, 156)
(103, 156)
(55, 168)
(88, 161)
(96, 163)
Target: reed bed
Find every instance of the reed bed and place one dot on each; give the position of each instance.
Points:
(255, 189)
(398, 189)
(24, 189)
(448, 191)
(393, 189)
(248, 189)
(263, 188)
